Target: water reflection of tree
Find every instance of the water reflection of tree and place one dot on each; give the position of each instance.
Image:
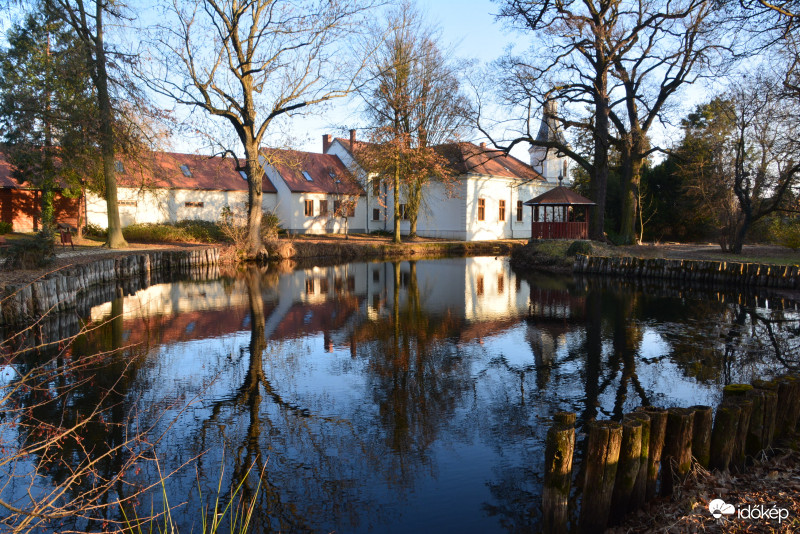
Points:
(417, 377)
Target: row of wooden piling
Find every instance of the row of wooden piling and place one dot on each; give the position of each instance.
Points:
(710, 272)
(652, 450)
(61, 289)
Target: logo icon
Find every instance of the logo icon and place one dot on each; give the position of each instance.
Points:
(718, 508)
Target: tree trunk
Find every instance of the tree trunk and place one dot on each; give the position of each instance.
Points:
(255, 193)
(115, 238)
(396, 185)
(599, 178)
(413, 205)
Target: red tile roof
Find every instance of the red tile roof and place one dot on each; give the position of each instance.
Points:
(560, 196)
(328, 173)
(163, 170)
(7, 180)
(468, 158)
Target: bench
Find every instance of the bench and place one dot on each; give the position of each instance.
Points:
(66, 238)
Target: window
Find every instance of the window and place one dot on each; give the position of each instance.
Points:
(501, 215)
(185, 170)
(119, 167)
(307, 177)
(517, 285)
(376, 214)
(243, 175)
(309, 208)
(131, 203)
(376, 187)
(403, 212)
(193, 204)
(309, 286)
(481, 209)
(323, 207)
(376, 275)
(519, 211)
(479, 285)
(323, 286)
(501, 284)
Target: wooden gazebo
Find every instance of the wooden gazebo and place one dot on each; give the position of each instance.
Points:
(555, 215)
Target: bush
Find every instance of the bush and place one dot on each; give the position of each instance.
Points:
(182, 232)
(5, 227)
(93, 230)
(34, 253)
(579, 247)
(786, 233)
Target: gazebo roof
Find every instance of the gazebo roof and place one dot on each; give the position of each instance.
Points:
(560, 196)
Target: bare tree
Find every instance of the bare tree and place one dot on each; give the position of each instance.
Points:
(740, 155)
(615, 65)
(252, 62)
(413, 102)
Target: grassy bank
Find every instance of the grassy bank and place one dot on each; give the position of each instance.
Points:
(370, 247)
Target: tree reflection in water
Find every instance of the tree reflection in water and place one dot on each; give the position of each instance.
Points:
(380, 396)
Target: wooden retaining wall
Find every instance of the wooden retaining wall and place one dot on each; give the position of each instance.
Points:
(64, 289)
(709, 272)
(624, 463)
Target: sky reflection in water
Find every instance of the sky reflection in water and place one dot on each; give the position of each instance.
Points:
(410, 396)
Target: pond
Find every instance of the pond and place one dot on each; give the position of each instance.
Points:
(383, 397)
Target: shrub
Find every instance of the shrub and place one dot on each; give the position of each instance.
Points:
(786, 233)
(579, 247)
(5, 227)
(34, 253)
(182, 232)
(93, 230)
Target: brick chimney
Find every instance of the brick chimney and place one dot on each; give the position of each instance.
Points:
(483, 145)
(352, 139)
(327, 139)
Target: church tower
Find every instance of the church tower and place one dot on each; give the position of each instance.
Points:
(548, 161)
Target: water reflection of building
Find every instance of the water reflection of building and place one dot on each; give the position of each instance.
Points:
(482, 293)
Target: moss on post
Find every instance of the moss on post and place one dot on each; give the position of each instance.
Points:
(639, 493)
(630, 458)
(658, 426)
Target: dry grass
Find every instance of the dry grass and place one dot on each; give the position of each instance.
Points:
(772, 483)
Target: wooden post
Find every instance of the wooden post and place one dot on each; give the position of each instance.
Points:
(558, 453)
(701, 434)
(756, 430)
(770, 389)
(789, 403)
(677, 458)
(630, 458)
(658, 426)
(602, 454)
(738, 394)
(723, 437)
(639, 493)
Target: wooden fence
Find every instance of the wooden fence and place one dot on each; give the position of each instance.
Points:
(651, 451)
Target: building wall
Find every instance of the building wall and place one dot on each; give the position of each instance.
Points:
(170, 205)
(492, 190)
(22, 207)
(290, 209)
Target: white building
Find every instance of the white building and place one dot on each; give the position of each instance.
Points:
(484, 202)
(316, 193)
(168, 187)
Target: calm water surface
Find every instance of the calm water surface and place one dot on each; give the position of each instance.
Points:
(400, 397)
